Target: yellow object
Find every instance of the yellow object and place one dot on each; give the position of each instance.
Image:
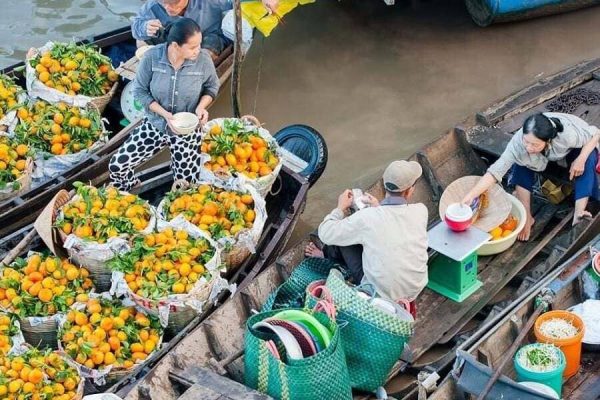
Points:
(258, 16)
(496, 233)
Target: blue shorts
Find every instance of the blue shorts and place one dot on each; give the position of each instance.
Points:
(586, 185)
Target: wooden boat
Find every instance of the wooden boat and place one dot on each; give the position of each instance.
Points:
(19, 211)
(475, 358)
(217, 343)
(486, 12)
(283, 208)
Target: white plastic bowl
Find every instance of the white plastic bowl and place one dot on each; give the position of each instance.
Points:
(139, 53)
(185, 123)
(498, 246)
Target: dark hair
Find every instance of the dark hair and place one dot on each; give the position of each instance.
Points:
(542, 127)
(181, 30)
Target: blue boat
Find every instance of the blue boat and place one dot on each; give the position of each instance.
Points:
(486, 12)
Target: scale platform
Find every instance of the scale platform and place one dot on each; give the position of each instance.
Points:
(453, 271)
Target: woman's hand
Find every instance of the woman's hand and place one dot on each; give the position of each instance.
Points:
(468, 199)
(577, 168)
(169, 118)
(202, 115)
(345, 200)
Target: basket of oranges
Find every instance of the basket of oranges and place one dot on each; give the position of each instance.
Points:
(59, 135)
(169, 273)
(11, 95)
(240, 147)
(37, 289)
(96, 224)
(232, 213)
(76, 74)
(505, 235)
(35, 374)
(11, 336)
(16, 167)
(106, 338)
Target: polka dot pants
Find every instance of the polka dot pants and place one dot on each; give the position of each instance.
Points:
(146, 141)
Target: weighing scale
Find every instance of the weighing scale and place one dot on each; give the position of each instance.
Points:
(453, 271)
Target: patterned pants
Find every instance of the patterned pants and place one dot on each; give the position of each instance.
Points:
(143, 143)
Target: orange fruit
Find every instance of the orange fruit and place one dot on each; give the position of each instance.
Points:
(496, 233)
(45, 295)
(22, 150)
(506, 232)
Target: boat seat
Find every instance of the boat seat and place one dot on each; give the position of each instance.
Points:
(304, 150)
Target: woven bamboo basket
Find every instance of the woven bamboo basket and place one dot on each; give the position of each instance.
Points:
(262, 184)
(24, 183)
(42, 335)
(102, 101)
(180, 314)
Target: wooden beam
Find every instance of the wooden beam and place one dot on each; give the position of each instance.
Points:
(538, 93)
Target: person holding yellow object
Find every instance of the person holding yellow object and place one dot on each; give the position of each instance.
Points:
(265, 18)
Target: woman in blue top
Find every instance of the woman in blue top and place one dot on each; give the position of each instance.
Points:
(176, 76)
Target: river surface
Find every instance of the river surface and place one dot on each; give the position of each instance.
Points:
(378, 82)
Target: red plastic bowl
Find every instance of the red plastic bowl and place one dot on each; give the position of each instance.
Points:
(458, 217)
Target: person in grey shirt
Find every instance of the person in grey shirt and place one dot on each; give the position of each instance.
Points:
(558, 137)
(176, 76)
(156, 14)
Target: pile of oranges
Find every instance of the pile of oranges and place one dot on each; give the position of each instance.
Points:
(105, 333)
(37, 375)
(75, 69)
(58, 128)
(42, 286)
(220, 212)
(8, 329)
(237, 149)
(9, 91)
(164, 263)
(102, 213)
(505, 228)
(13, 162)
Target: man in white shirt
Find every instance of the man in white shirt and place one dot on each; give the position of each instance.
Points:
(393, 236)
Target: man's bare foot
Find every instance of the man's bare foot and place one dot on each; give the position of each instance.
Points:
(312, 250)
(584, 215)
(526, 232)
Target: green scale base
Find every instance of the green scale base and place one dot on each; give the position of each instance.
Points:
(456, 280)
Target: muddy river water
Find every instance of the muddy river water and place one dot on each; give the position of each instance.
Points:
(378, 82)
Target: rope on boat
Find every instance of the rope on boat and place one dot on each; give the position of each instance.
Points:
(237, 60)
(258, 74)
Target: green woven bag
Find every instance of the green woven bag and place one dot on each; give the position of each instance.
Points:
(322, 376)
(291, 292)
(373, 339)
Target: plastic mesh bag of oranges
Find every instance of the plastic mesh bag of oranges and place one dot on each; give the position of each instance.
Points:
(33, 374)
(10, 333)
(234, 147)
(106, 334)
(69, 72)
(232, 213)
(11, 96)
(170, 269)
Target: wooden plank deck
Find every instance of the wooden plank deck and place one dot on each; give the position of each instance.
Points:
(586, 384)
(438, 315)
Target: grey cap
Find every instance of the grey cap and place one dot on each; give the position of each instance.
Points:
(401, 175)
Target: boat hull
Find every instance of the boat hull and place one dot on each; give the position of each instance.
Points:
(487, 12)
